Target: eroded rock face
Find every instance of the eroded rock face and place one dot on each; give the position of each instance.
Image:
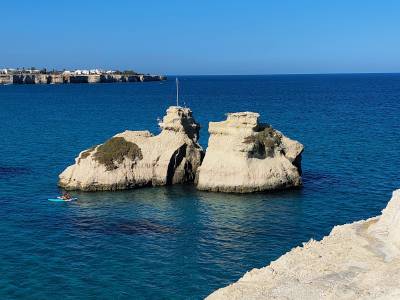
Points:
(356, 261)
(246, 156)
(137, 158)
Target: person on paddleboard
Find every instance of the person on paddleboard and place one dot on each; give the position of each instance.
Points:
(66, 196)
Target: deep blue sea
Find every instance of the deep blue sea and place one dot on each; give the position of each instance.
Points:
(176, 242)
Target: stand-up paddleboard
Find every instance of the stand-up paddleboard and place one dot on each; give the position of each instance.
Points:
(62, 200)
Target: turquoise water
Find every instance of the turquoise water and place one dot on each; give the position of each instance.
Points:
(176, 242)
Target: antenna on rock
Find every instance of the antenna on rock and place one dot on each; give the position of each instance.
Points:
(177, 92)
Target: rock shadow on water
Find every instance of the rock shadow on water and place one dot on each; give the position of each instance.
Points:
(123, 226)
(10, 171)
(319, 178)
(142, 226)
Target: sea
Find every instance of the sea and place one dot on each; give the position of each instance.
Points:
(176, 242)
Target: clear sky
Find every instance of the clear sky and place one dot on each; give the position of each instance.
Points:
(203, 37)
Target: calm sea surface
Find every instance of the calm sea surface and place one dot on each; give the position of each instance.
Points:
(176, 242)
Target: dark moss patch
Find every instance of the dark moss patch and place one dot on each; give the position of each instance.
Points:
(86, 154)
(265, 141)
(115, 150)
(268, 136)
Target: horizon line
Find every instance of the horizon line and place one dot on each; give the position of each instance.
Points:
(285, 74)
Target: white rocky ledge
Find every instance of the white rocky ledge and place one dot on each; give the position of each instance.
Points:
(356, 261)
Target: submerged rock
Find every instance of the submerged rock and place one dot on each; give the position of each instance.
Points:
(246, 156)
(356, 261)
(137, 158)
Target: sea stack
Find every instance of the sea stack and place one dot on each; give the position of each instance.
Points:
(356, 261)
(137, 158)
(244, 156)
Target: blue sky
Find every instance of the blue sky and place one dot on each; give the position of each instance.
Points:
(203, 37)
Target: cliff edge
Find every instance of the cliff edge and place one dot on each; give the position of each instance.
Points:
(244, 155)
(356, 261)
(137, 158)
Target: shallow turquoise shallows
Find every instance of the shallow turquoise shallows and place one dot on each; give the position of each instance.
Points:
(176, 242)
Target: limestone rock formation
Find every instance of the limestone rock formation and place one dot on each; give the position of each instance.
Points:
(246, 156)
(356, 261)
(137, 158)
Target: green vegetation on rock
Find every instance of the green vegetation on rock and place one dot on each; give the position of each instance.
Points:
(115, 150)
(86, 153)
(268, 138)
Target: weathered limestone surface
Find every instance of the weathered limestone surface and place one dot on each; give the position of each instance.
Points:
(29, 79)
(356, 261)
(107, 78)
(172, 156)
(93, 78)
(246, 156)
(56, 79)
(39, 78)
(6, 79)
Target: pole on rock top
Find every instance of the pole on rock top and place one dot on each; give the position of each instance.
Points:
(177, 92)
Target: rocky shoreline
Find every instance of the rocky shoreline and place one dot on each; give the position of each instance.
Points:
(355, 261)
(64, 79)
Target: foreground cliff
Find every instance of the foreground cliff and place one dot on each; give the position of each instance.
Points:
(137, 158)
(246, 156)
(356, 261)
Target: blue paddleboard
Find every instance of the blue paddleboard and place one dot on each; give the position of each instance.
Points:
(61, 200)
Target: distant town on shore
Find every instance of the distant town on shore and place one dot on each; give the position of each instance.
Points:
(44, 76)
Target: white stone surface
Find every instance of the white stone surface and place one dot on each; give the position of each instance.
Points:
(172, 156)
(238, 160)
(356, 261)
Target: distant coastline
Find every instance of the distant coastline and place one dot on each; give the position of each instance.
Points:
(42, 76)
